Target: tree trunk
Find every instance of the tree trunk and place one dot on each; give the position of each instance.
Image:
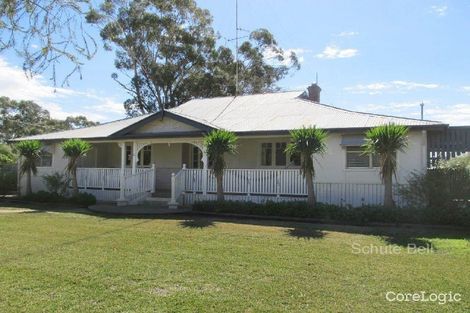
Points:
(220, 188)
(28, 182)
(74, 182)
(388, 194)
(310, 191)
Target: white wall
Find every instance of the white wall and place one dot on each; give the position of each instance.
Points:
(331, 167)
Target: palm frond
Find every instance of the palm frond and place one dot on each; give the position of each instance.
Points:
(385, 141)
(307, 141)
(217, 143)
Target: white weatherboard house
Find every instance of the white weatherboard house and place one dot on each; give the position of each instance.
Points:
(163, 153)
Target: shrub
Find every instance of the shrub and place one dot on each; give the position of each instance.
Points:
(8, 179)
(460, 162)
(442, 193)
(83, 199)
(56, 183)
(44, 196)
(327, 212)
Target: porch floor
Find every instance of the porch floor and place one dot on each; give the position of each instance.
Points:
(145, 209)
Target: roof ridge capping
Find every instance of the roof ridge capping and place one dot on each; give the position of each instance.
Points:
(300, 97)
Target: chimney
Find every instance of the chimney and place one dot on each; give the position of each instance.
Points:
(314, 92)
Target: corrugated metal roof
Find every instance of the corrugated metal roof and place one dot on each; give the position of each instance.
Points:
(282, 111)
(99, 131)
(253, 113)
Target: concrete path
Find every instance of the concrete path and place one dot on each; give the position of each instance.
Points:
(135, 209)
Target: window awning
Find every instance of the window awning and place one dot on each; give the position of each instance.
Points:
(352, 140)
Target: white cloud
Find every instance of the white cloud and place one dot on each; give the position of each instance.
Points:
(333, 52)
(466, 88)
(391, 86)
(439, 10)
(456, 114)
(60, 102)
(347, 34)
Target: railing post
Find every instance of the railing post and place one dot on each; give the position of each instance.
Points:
(122, 198)
(154, 177)
(173, 204)
(278, 185)
(205, 172)
(250, 175)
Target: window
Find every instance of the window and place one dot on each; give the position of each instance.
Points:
(280, 153)
(196, 158)
(145, 156)
(266, 154)
(45, 159)
(355, 157)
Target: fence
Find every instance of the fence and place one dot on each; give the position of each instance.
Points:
(259, 185)
(446, 144)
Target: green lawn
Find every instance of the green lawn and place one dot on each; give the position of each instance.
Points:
(78, 262)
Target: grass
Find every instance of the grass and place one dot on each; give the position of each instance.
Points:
(78, 262)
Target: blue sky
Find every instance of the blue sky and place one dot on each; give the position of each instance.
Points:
(376, 56)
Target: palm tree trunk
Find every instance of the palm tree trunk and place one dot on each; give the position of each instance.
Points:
(28, 182)
(220, 188)
(310, 191)
(388, 194)
(74, 182)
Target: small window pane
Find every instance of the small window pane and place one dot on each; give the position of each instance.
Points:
(266, 154)
(280, 154)
(45, 160)
(147, 155)
(197, 156)
(356, 158)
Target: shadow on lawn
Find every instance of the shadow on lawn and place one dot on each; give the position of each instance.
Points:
(305, 233)
(197, 223)
(393, 235)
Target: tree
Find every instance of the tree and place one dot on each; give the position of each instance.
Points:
(74, 149)
(26, 118)
(45, 33)
(29, 151)
(167, 51)
(307, 142)
(217, 143)
(385, 141)
(6, 155)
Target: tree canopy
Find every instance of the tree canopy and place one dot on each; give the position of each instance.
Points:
(167, 52)
(26, 118)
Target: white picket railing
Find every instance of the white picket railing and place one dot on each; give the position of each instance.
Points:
(105, 183)
(260, 185)
(139, 186)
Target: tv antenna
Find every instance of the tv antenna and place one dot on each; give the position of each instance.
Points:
(237, 29)
(422, 110)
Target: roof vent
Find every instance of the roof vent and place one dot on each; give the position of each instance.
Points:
(314, 93)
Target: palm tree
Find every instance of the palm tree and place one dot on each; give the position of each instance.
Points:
(217, 143)
(385, 141)
(30, 151)
(307, 141)
(74, 149)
